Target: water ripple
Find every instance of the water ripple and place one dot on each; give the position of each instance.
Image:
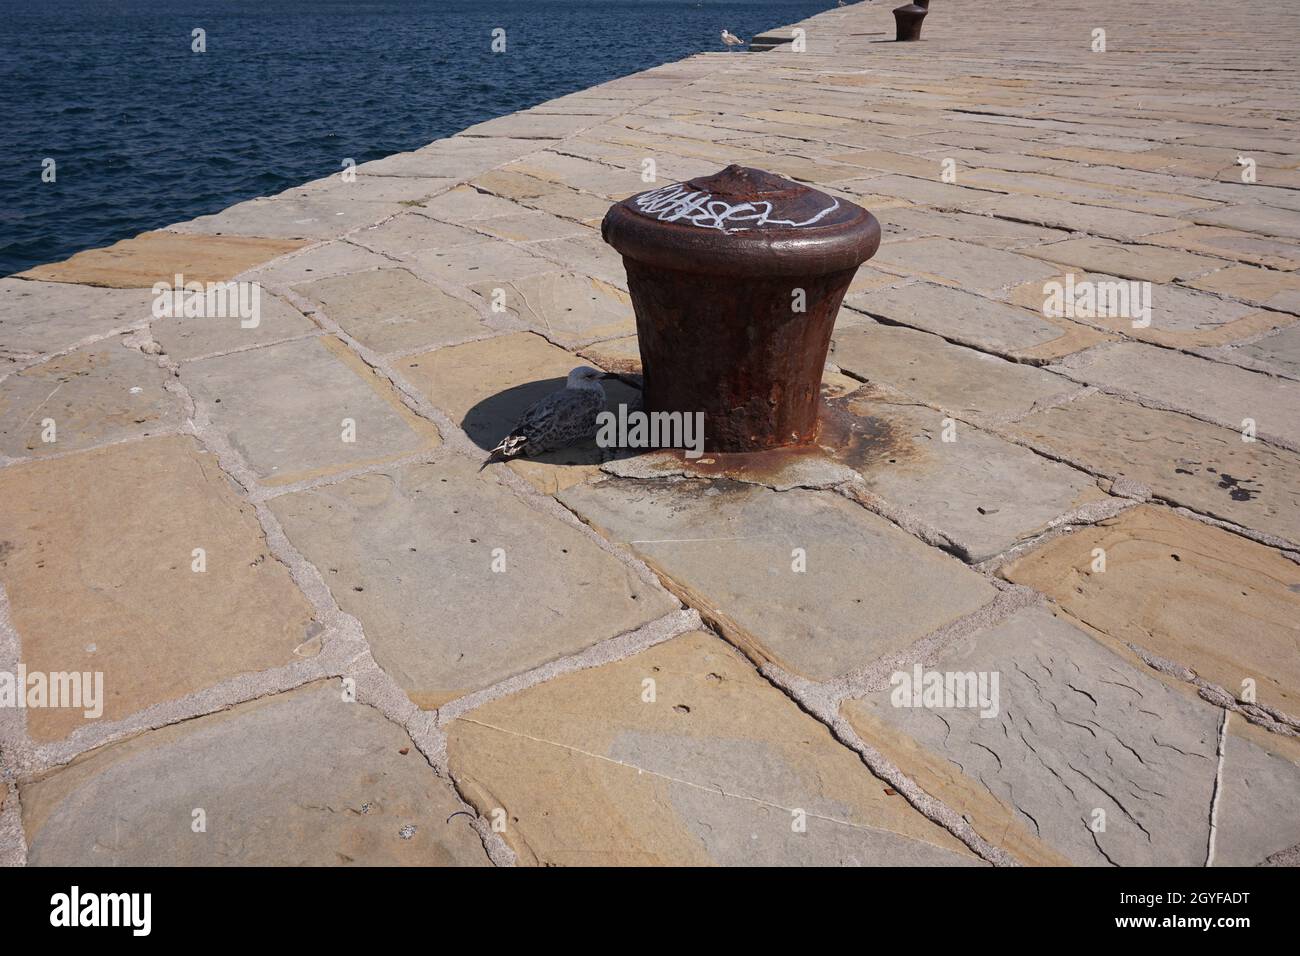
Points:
(146, 132)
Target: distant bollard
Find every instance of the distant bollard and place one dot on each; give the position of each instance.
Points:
(736, 279)
(908, 19)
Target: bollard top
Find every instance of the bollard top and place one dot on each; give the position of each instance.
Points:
(742, 222)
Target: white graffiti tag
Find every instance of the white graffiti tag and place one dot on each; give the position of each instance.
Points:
(676, 203)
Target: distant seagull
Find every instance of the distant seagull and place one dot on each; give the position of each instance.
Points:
(730, 39)
(562, 419)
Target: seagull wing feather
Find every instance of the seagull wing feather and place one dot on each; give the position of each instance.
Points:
(560, 419)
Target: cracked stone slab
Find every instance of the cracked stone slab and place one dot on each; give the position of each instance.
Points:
(98, 567)
(475, 264)
(1279, 353)
(890, 162)
(583, 103)
(37, 318)
(1101, 221)
(960, 487)
(410, 232)
(1279, 196)
(1194, 464)
(1180, 317)
(1165, 184)
(608, 182)
(1131, 261)
(917, 223)
(566, 307)
(1232, 244)
(390, 310)
(532, 225)
(286, 409)
(153, 257)
(961, 264)
(1253, 217)
(1267, 287)
(1127, 158)
(457, 158)
(298, 779)
(304, 216)
(97, 394)
(465, 204)
(983, 323)
(373, 189)
(1221, 393)
(1077, 729)
(878, 190)
(621, 355)
(530, 124)
(867, 279)
(1259, 803)
(411, 553)
(718, 767)
(961, 380)
(1073, 190)
(317, 262)
(184, 339)
(586, 209)
(587, 254)
(1188, 592)
(810, 171)
(510, 184)
(730, 550)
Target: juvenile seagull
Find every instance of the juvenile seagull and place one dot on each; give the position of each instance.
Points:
(730, 39)
(561, 419)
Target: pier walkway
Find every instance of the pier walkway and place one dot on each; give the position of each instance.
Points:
(1041, 606)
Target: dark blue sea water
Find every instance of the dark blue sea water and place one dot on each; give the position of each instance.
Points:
(146, 132)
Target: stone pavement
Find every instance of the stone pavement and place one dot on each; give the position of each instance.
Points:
(325, 636)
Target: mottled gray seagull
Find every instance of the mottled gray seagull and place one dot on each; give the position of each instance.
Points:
(564, 418)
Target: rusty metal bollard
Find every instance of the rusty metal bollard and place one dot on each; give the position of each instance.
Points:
(908, 19)
(719, 269)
